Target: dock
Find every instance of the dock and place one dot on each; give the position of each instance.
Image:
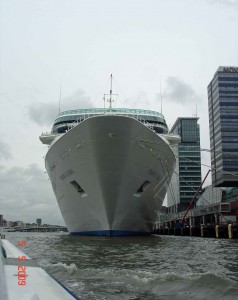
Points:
(211, 230)
(216, 221)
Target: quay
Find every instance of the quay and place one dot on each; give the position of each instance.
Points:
(211, 230)
(219, 221)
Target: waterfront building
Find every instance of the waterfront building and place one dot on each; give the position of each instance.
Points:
(187, 176)
(19, 223)
(38, 222)
(223, 126)
(1, 220)
(219, 200)
(210, 196)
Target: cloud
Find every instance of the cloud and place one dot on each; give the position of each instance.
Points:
(77, 100)
(141, 100)
(5, 152)
(178, 91)
(231, 3)
(45, 113)
(26, 194)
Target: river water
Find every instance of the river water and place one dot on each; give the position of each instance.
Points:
(154, 267)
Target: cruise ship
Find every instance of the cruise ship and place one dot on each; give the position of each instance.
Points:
(109, 169)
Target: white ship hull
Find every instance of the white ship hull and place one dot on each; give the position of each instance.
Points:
(110, 175)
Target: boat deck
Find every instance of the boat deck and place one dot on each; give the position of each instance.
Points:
(22, 278)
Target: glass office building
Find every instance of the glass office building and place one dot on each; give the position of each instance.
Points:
(187, 176)
(223, 126)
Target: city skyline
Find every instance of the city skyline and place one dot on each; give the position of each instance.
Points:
(148, 46)
(5, 221)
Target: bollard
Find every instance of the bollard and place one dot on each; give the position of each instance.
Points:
(217, 231)
(202, 231)
(230, 231)
(191, 231)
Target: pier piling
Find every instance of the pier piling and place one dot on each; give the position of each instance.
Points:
(204, 230)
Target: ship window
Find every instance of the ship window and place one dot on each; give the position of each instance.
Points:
(158, 129)
(142, 188)
(78, 188)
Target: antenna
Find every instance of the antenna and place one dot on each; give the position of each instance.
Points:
(111, 94)
(195, 115)
(161, 102)
(60, 96)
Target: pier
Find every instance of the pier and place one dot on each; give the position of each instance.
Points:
(213, 231)
(216, 221)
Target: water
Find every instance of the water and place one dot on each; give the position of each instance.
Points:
(166, 267)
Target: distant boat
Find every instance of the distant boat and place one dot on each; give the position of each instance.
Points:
(110, 168)
(7, 229)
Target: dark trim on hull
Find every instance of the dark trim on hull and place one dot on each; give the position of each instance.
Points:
(111, 233)
(64, 287)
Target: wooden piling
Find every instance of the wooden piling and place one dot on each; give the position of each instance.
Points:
(230, 231)
(202, 230)
(217, 231)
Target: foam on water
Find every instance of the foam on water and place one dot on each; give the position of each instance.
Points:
(70, 268)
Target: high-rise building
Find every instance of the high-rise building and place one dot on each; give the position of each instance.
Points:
(223, 125)
(187, 176)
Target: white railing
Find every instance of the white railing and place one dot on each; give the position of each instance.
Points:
(87, 116)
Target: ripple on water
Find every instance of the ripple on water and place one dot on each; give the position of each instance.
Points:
(138, 268)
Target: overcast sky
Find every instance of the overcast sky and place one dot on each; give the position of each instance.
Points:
(178, 43)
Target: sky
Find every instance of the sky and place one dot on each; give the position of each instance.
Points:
(152, 47)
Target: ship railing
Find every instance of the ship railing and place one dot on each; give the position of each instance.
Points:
(133, 116)
(113, 110)
(69, 125)
(48, 134)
